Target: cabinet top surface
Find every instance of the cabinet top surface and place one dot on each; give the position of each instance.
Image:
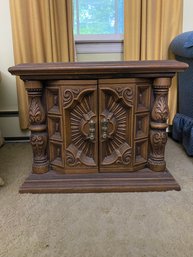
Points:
(96, 68)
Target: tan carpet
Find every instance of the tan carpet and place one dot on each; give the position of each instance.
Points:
(95, 225)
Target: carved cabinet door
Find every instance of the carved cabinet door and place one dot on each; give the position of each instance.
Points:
(115, 125)
(80, 126)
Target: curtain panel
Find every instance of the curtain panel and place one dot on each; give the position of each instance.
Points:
(150, 26)
(42, 32)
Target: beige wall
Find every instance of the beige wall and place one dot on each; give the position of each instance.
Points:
(8, 99)
(8, 96)
(9, 126)
(187, 17)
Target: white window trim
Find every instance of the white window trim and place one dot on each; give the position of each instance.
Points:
(86, 44)
(99, 38)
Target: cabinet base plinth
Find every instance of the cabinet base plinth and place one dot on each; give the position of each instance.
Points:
(141, 181)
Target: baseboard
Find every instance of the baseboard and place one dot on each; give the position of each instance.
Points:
(10, 126)
(17, 139)
(9, 113)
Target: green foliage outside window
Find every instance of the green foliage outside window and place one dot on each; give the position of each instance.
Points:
(98, 17)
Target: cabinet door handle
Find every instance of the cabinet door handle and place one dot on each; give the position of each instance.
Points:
(104, 128)
(91, 130)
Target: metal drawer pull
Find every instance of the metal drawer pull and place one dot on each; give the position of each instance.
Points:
(91, 130)
(104, 127)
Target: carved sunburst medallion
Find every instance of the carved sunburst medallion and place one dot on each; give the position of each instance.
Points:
(116, 149)
(81, 149)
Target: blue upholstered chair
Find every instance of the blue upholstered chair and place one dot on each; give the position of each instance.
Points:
(182, 47)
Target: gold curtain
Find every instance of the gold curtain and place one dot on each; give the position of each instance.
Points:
(42, 32)
(150, 26)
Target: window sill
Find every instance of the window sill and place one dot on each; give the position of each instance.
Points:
(99, 47)
(99, 44)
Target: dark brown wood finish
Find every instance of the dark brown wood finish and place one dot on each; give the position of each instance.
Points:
(108, 119)
(116, 104)
(38, 127)
(140, 181)
(101, 68)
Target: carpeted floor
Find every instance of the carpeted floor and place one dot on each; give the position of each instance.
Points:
(95, 225)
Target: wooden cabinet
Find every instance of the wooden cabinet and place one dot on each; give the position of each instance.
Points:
(98, 127)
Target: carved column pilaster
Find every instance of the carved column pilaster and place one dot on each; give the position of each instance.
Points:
(158, 124)
(38, 127)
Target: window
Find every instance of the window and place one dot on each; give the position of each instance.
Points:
(98, 21)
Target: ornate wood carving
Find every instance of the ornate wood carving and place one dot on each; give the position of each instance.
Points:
(55, 127)
(75, 157)
(143, 98)
(37, 121)
(53, 100)
(158, 124)
(126, 94)
(141, 125)
(158, 139)
(36, 112)
(56, 155)
(115, 147)
(38, 142)
(121, 155)
(69, 95)
(141, 151)
(81, 119)
(39, 146)
(160, 111)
